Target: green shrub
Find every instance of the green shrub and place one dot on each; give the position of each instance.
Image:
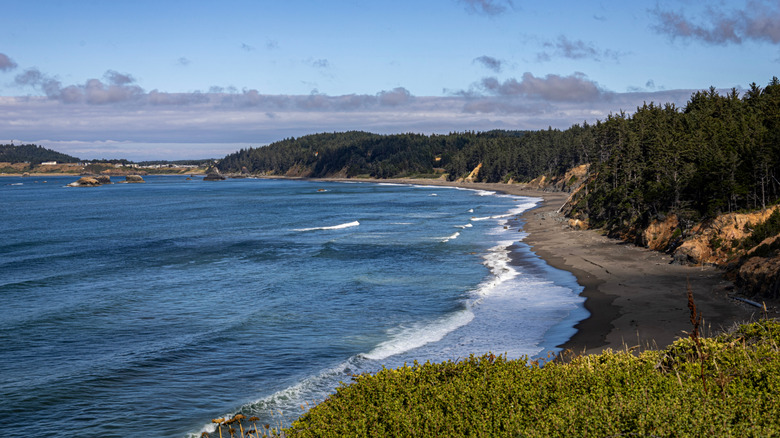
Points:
(769, 228)
(728, 387)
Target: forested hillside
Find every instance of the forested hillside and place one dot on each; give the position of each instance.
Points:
(718, 154)
(32, 154)
(505, 155)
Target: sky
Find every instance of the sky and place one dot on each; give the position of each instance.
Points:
(169, 79)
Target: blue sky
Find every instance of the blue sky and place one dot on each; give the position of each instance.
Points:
(194, 79)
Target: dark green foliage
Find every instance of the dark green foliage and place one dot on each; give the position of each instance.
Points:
(504, 154)
(32, 154)
(725, 386)
(769, 228)
(719, 154)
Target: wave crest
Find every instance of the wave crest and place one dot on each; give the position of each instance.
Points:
(334, 227)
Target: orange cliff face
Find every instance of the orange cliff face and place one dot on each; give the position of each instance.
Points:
(661, 234)
(713, 242)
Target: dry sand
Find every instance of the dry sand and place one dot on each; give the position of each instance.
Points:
(634, 295)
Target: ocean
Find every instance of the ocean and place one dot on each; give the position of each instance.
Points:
(138, 310)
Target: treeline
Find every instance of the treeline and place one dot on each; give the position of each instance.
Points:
(720, 153)
(33, 154)
(517, 155)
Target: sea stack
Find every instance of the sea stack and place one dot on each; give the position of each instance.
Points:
(86, 181)
(213, 175)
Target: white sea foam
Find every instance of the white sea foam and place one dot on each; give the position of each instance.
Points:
(291, 398)
(334, 227)
(451, 237)
(498, 262)
(464, 226)
(403, 339)
(499, 216)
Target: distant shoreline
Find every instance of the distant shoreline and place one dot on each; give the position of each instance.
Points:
(634, 295)
(79, 175)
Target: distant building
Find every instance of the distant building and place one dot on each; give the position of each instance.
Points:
(49, 163)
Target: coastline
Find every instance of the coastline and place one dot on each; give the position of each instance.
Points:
(635, 297)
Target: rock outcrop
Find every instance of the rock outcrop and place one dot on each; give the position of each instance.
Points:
(760, 276)
(472, 176)
(213, 177)
(134, 179)
(712, 242)
(660, 235)
(103, 179)
(86, 181)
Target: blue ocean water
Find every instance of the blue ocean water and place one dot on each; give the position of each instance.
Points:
(149, 309)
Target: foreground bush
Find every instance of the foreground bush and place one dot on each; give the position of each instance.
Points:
(723, 386)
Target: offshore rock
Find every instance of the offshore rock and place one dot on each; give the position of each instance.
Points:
(213, 177)
(85, 181)
(103, 179)
(134, 179)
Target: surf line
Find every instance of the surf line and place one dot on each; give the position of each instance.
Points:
(334, 227)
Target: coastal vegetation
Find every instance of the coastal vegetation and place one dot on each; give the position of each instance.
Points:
(32, 154)
(724, 385)
(505, 155)
(718, 154)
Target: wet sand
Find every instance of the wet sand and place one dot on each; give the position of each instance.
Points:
(634, 295)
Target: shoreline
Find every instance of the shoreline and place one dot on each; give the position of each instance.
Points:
(634, 295)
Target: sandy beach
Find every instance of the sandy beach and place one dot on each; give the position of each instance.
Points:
(634, 295)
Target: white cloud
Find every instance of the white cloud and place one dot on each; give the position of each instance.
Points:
(551, 88)
(758, 20)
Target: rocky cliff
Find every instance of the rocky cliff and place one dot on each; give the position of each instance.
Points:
(715, 242)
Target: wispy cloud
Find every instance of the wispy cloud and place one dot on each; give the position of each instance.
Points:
(6, 63)
(246, 47)
(487, 7)
(117, 88)
(321, 63)
(490, 62)
(566, 48)
(183, 61)
(758, 20)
